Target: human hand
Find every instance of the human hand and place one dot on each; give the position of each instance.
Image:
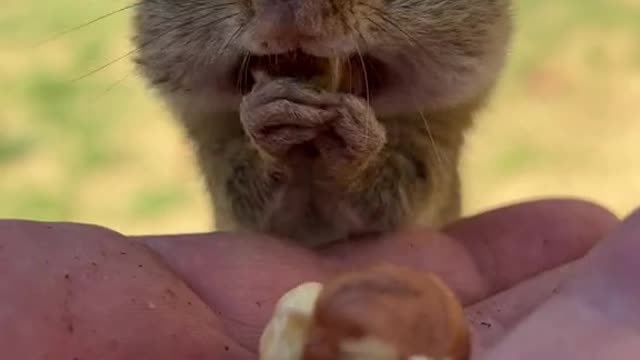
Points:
(223, 286)
(478, 257)
(592, 314)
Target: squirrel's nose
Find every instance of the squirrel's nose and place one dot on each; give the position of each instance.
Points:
(277, 34)
(280, 26)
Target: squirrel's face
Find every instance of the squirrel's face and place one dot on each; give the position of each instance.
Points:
(404, 54)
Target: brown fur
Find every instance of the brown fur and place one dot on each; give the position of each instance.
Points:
(392, 158)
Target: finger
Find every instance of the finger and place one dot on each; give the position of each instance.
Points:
(564, 328)
(594, 315)
(422, 250)
(245, 274)
(608, 278)
(240, 276)
(490, 252)
(516, 242)
(492, 319)
(613, 267)
(283, 112)
(290, 89)
(83, 292)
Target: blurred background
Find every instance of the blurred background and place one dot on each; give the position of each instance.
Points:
(565, 120)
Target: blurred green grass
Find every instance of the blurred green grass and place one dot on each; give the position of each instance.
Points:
(102, 149)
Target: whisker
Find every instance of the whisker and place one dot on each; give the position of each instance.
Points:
(384, 17)
(111, 87)
(364, 73)
(231, 38)
(432, 142)
(377, 25)
(242, 72)
(246, 70)
(85, 24)
(364, 70)
(151, 41)
(350, 74)
(437, 155)
(104, 66)
(362, 62)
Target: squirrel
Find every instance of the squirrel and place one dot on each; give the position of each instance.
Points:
(318, 120)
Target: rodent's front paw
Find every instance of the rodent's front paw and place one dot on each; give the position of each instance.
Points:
(355, 138)
(282, 113)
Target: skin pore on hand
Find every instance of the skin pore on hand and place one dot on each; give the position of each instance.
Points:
(86, 292)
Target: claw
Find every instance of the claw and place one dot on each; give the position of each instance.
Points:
(260, 77)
